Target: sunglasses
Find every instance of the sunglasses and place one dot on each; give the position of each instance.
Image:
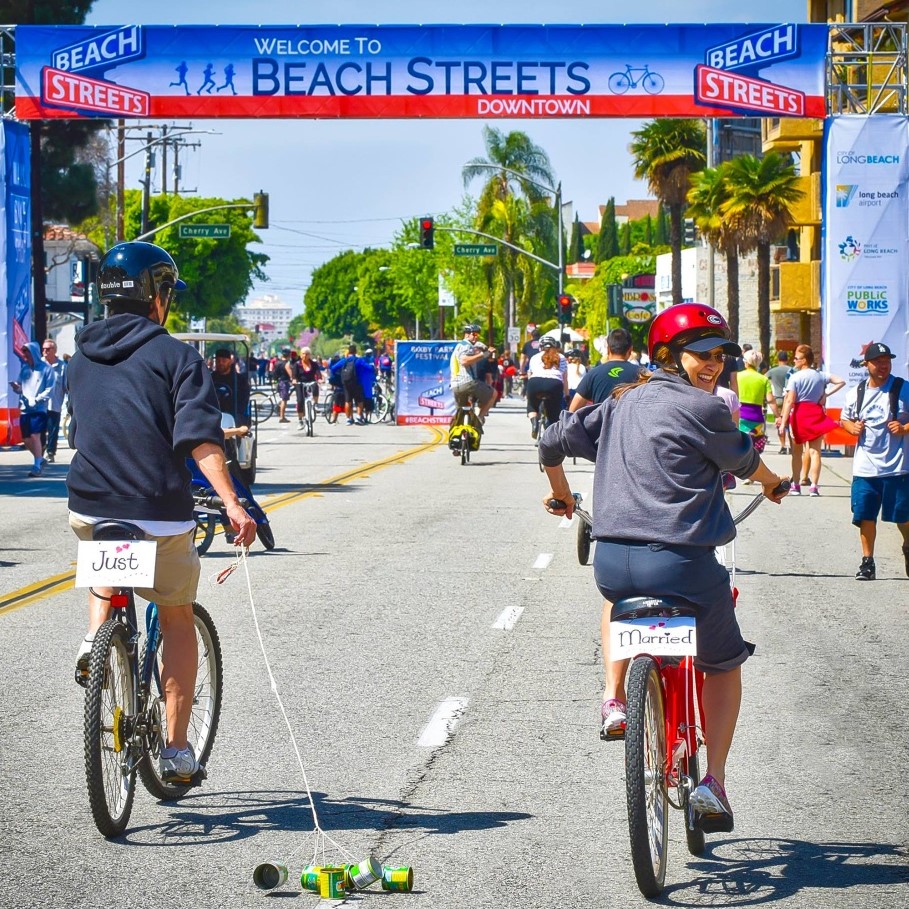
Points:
(707, 356)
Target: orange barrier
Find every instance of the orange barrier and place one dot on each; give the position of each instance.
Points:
(9, 427)
(838, 436)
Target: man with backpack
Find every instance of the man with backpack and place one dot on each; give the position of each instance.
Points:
(346, 370)
(877, 413)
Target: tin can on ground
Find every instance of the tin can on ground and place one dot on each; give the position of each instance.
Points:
(362, 875)
(399, 879)
(331, 882)
(269, 875)
(309, 879)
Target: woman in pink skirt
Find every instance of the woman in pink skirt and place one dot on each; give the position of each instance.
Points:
(804, 414)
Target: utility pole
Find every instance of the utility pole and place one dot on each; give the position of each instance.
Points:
(164, 160)
(146, 183)
(121, 176)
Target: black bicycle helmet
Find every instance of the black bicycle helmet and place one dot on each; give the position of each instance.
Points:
(132, 274)
(549, 342)
(471, 326)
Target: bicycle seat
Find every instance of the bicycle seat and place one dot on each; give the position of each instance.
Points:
(639, 607)
(116, 530)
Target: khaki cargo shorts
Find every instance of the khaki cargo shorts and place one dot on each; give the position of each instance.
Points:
(177, 566)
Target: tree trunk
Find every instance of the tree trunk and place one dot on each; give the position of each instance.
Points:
(39, 273)
(732, 290)
(763, 264)
(675, 241)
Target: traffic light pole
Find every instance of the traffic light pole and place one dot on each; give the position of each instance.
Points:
(523, 252)
(192, 214)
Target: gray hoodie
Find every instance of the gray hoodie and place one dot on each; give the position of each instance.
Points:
(37, 382)
(659, 452)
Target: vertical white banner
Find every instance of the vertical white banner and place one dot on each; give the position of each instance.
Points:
(866, 243)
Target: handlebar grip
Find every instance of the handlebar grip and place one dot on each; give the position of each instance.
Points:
(556, 503)
(784, 486)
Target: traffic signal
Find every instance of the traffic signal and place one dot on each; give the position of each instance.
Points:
(691, 232)
(260, 215)
(427, 237)
(565, 309)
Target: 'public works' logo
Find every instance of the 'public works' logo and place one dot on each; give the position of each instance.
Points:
(850, 249)
(844, 194)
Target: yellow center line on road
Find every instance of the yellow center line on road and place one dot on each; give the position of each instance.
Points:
(47, 587)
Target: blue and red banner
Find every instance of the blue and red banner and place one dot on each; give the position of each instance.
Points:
(422, 382)
(406, 71)
(15, 268)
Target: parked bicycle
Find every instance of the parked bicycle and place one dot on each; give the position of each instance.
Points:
(125, 723)
(652, 83)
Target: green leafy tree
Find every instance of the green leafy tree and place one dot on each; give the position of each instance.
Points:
(576, 243)
(661, 230)
(331, 300)
(608, 241)
(666, 153)
(761, 192)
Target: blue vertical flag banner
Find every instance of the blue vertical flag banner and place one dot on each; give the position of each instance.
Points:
(422, 382)
(405, 71)
(15, 268)
(866, 234)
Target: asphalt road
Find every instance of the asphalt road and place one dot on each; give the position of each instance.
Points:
(393, 568)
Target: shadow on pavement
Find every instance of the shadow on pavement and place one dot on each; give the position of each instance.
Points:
(218, 817)
(750, 872)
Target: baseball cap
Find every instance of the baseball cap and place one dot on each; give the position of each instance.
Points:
(222, 352)
(875, 350)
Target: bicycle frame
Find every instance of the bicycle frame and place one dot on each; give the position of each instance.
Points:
(682, 686)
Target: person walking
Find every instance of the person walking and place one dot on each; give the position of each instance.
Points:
(755, 393)
(876, 412)
(804, 415)
(34, 386)
(778, 376)
(597, 384)
(55, 401)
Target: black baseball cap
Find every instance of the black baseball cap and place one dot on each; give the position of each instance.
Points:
(223, 352)
(875, 350)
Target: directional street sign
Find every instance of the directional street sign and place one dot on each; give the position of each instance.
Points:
(212, 231)
(475, 249)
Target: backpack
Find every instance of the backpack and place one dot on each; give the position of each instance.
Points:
(895, 390)
(349, 371)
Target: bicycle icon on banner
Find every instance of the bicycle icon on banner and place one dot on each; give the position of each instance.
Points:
(652, 83)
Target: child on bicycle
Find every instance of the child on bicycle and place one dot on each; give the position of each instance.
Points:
(660, 447)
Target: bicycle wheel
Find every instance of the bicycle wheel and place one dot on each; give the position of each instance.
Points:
(381, 408)
(206, 708)
(465, 448)
(693, 835)
(645, 777)
(653, 83)
(205, 531)
(110, 715)
(619, 83)
(310, 417)
(265, 535)
(263, 404)
(584, 540)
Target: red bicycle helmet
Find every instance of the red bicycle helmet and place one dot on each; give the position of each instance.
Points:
(690, 326)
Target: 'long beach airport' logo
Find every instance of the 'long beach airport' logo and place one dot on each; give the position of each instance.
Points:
(844, 194)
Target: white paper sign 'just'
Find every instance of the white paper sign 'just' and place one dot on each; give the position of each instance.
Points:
(116, 563)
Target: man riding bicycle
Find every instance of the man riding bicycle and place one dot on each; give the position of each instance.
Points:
(141, 402)
(465, 385)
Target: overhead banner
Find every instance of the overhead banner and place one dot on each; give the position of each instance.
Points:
(866, 224)
(404, 71)
(422, 377)
(15, 268)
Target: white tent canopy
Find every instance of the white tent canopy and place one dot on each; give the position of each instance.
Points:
(573, 336)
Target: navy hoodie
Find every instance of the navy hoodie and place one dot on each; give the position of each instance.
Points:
(141, 401)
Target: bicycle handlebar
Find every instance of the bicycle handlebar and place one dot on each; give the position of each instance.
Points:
(206, 501)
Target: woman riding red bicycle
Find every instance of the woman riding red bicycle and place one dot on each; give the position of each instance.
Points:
(660, 448)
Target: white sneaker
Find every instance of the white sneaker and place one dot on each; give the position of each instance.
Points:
(614, 714)
(178, 766)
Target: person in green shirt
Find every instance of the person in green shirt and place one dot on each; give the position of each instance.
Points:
(755, 391)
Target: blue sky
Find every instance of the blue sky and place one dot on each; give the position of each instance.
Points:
(335, 185)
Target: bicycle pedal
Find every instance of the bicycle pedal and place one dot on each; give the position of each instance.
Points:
(714, 823)
(82, 678)
(614, 735)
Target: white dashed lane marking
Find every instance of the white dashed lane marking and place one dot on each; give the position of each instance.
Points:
(509, 618)
(442, 723)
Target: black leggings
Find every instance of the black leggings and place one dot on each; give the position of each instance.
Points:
(549, 392)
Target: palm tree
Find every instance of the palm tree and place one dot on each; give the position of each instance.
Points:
(761, 192)
(709, 191)
(666, 153)
(512, 168)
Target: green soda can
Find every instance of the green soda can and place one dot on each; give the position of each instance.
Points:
(399, 879)
(331, 882)
(309, 879)
(362, 875)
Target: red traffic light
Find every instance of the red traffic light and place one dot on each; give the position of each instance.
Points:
(427, 238)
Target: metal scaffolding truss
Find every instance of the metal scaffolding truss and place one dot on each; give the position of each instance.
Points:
(866, 68)
(7, 70)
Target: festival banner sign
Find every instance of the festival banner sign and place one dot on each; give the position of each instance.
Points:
(15, 268)
(866, 235)
(422, 377)
(404, 71)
